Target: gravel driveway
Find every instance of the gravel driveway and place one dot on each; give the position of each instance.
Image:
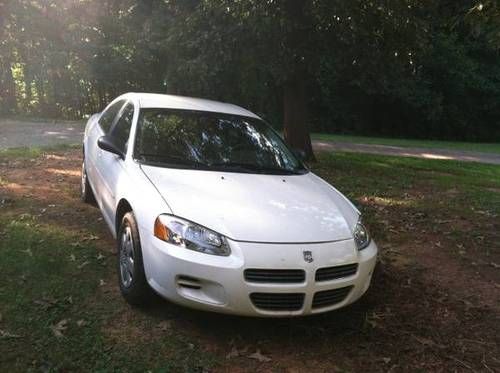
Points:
(17, 133)
(20, 133)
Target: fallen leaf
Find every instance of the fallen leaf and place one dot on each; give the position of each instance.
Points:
(28, 251)
(372, 323)
(72, 257)
(5, 334)
(100, 257)
(46, 302)
(58, 328)
(164, 325)
(424, 341)
(234, 353)
(259, 357)
(81, 323)
(102, 282)
(83, 264)
(443, 221)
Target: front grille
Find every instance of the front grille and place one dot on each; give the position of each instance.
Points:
(330, 297)
(282, 276)
(332, 273)
(278, 301)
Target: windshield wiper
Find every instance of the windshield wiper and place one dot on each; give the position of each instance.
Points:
(234, 165)
(248, 167)
(174, 158)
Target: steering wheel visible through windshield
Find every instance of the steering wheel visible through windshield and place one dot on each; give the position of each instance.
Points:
(211, 141)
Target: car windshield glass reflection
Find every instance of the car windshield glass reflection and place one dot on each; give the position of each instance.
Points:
(212, 141)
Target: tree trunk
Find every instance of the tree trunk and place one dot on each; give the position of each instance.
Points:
(7, 85)
(295, 115)
(7, 88)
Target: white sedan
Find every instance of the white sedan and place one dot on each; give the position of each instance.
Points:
(211, 210)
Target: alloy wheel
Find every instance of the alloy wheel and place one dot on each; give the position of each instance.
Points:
(126, 257)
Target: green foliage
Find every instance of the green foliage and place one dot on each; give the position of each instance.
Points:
(387, 67)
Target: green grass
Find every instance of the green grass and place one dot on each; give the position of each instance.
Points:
(467, 146)
(360, 175)
(52, 272)
(405, 188)
(48, 275)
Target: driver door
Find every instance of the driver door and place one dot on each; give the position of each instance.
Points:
(94, 153)
(111, 166)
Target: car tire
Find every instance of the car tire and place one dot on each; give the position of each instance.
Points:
(86, 193)
(131, 277)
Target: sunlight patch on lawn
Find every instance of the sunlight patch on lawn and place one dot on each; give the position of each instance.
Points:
(67, 172)
(386, 201)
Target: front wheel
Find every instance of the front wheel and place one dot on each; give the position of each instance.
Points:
(131, 277)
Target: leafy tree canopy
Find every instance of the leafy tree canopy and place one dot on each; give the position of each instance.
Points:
(418, 68)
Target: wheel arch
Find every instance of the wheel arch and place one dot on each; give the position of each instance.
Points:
(122, 208)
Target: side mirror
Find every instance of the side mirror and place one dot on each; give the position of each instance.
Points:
(105, 143)
(300, 154)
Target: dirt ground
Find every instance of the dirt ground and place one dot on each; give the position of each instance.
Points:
(427, 310)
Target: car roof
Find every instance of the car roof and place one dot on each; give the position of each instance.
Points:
(155, 100)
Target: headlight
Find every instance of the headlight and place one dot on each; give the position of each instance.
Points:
(361, 236)
(189, 235)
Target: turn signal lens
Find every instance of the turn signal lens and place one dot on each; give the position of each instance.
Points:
(161, 231)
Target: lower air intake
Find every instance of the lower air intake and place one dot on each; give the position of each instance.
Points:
(330, 297)
(278, 301)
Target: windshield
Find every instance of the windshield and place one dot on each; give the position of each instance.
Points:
(211, 141)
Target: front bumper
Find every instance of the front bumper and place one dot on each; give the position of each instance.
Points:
(218, 284)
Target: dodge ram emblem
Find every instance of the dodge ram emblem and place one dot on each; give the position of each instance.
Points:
(308, 256)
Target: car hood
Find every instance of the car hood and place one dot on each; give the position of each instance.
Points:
(256, 207)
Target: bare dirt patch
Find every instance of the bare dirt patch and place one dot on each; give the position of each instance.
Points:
(48, 187)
